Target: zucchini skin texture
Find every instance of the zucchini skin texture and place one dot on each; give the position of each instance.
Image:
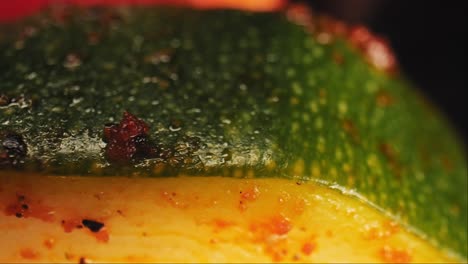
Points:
(234, 94)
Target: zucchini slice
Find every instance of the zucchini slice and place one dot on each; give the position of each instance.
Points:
(142, 126)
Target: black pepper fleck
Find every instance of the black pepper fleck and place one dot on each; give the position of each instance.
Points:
(92, 225)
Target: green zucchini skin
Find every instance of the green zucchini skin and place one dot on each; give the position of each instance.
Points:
(234, 94)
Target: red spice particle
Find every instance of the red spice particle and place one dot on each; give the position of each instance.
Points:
(280, 225)
(24, 207)
(299, 206)
(276, 225)
(267, 231)
(391, 227)
(277, 250)
(69, 225)
(332, 26)
(126, 139)
(277, 256)
(222, 224)
(98, 229)
(248, 195)
(387, 229)
(102, 235)
(375, 49)
(392, 255)
(129, 127)
(172, 199)
(308, 248)
(49, 243)
(28, 253)
(300, 14)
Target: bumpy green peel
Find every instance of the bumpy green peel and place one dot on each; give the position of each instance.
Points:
(260, 96)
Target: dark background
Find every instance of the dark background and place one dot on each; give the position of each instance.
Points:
(430, 42)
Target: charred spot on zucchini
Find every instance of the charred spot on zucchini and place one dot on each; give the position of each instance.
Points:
(13, 149)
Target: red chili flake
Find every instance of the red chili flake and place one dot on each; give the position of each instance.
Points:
(387, 229)
(278, 255)
(271, 233)
(28, 253)
(280, 225)
(102, 235)
(375, 49)
(300, 14)
(277, 250)
(308, 248)
(333, 26)
(49, 243)
(127, 140)
(298, 206)
(24, 207)
(98, 229)
(222, 224)
(276, 225)
(69, 225)
(172, 199)
(248, 195)
(391, 255)
(391, 227)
